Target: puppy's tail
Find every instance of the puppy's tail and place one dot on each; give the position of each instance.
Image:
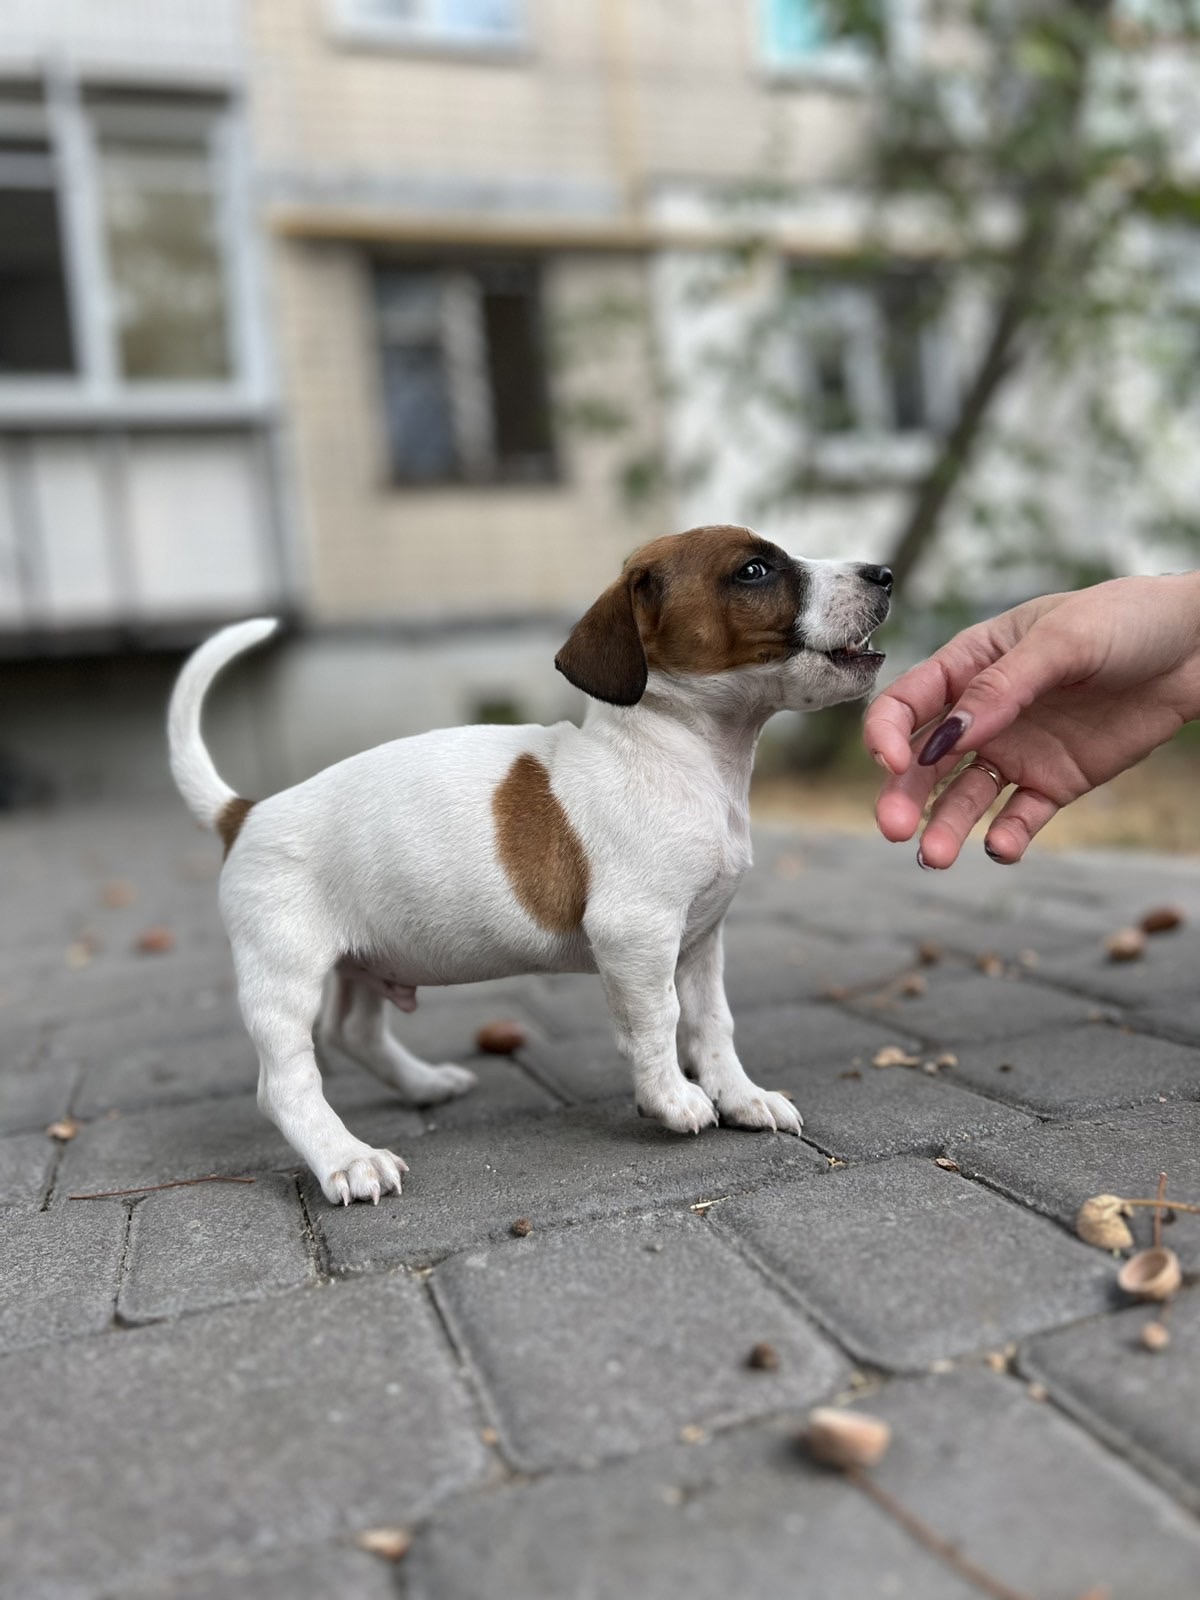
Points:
(209, 798)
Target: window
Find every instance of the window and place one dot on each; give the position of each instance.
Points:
(797, 33)
(35, 320)
(464, 385)
(159, 210)
(486, 23)
(871, 353)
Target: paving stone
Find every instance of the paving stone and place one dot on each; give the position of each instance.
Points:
(1068, 1071)
(236, 1434)
(910, 1264)
(770, 1045)
(504, 1091)
(1144, 1405)
(31, 1099)
(590, 1162)
(1010, 933)
(546, 1321)
(229, 1135)
(975, 1458)
(445, 1023)
(767, 966)
(212, 1244)
(307, 1574)
(185, 984)
(744, 1514)
(957, 1008)
(1177, 1018)
(169, 1071)
(570, 1002)
(1170, 967)
(58, 1278)
(20, 1043)
(26, 1161)
(1055, 1167)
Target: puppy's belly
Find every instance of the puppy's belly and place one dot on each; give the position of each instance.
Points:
(398, 973)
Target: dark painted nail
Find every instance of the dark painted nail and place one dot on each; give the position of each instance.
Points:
(992, 856)
(941, 741)
(923, 864)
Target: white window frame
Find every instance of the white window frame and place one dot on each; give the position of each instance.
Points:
(842, 64)
(97, 389)
(352, 22)
(876, 445)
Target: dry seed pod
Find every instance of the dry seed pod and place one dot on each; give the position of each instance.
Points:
(1127, 944)
(391, 1543)
(892, 1055)
(929, 952)
(1151, 1274)
(763, 1357)
(500, 1038)
(522, 1227)
(990, 964)
(155, 941)
(1156, 1336)
(913, 986)
(846, 1438)
(1101, 1221)
(1161, 919)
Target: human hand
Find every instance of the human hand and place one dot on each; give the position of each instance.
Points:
(1057, 695)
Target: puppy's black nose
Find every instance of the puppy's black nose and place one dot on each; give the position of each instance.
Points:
(877, 575)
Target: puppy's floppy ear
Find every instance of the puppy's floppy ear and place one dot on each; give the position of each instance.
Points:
(605, 656)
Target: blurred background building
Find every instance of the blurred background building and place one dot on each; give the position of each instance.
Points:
(398, 318)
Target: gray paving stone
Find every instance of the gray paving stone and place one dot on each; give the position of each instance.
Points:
(20, 1042)
(226, 1136)
(26, 1161)
(909, 1264)
(1055, 1167)
(570, 1003)
(307, 1574)
(192, 1249)
(31, 1099)
(58, 1278)
(1068, 1071)
(1170, 967)
(445, 1023)
(1144, 1405)
(743, 1515)
(590, 1162)
(521, 1307)
(767, 966)
(961, 1008)
(1178, 1019)
(168, 1071)
(770, 1045)
(975, 1458)
(235, 1435)
(504, 1091)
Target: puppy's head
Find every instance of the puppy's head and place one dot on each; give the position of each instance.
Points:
(719, 601)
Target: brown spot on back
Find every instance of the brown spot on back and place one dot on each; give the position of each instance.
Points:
(229, 823)
(539, 849)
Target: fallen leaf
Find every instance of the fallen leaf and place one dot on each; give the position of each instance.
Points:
(155, 941)
(946, 1164)
(894, 1055)
(946, 1059)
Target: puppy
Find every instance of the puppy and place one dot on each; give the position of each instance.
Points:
(474, 853)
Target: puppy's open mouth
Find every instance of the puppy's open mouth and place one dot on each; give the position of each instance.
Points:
(850, 655)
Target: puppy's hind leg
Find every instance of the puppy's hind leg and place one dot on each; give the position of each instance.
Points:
(280, 999)
(358, 1027)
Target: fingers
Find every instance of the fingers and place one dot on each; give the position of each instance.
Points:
(994, 698)
(916, 697)
(958, 808)
(1025, 814)
(903, 798)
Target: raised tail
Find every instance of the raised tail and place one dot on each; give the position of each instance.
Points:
(208, 796)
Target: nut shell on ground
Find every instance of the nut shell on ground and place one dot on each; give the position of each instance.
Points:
(844, 1439)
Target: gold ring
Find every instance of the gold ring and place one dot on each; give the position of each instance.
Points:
(1001, 783)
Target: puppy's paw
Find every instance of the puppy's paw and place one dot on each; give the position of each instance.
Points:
(365, 1175)
(760, 1108)
(684, 1108)
(443, 1083)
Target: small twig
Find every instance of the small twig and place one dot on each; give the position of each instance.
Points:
(151, 1188)
(1160, 1197)
(925, 1535)
(1175, 1205)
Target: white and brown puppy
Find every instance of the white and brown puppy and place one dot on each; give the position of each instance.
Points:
(474, 853)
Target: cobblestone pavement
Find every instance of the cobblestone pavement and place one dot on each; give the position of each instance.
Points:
(208, 1391)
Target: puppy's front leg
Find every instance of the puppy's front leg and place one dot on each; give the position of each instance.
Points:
(706, 1043)
(637, 968)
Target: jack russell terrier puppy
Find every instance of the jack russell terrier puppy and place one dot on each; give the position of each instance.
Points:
(474, 853)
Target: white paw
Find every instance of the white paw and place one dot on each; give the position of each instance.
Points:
(759, 1108)
(443, 1083)
(684, 1108)
(366, 1175)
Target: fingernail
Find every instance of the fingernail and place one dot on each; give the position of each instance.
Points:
(879, 761)
(942, 740)
(923, 864)
(1000, 861)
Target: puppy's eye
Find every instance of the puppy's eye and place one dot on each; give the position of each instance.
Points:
(753, 572)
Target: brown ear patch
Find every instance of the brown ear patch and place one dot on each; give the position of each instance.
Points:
(229, 823)
(539, 849)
